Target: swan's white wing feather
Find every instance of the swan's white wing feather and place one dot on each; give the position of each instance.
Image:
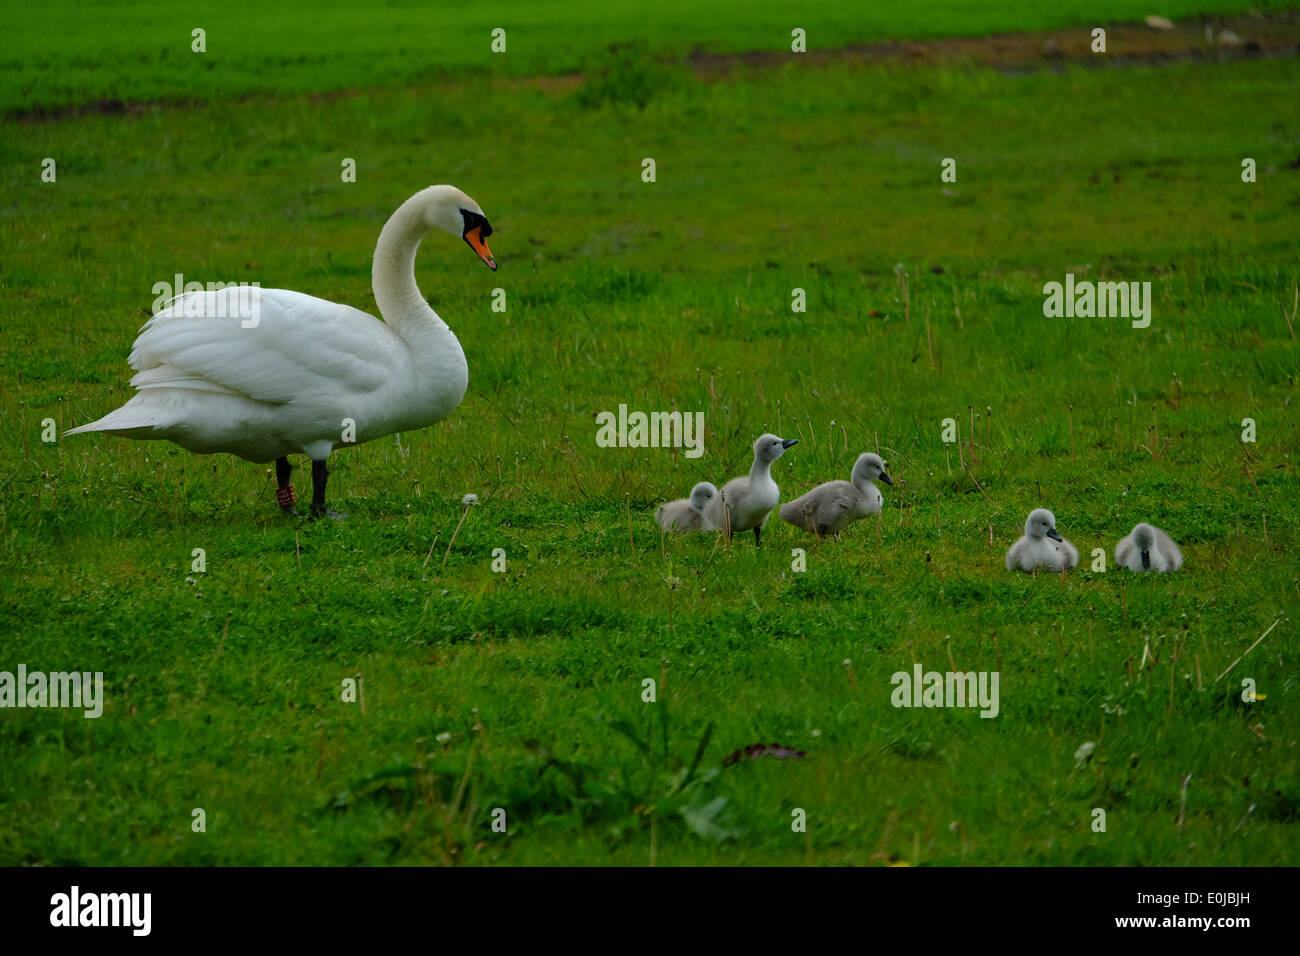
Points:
(299, 346)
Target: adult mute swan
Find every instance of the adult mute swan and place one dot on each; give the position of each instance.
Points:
(687, 514)
(1147, 548)
(745, 502)
(1034, 550)
(265, 373)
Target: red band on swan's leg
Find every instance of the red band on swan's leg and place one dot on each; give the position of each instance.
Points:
(286, 497)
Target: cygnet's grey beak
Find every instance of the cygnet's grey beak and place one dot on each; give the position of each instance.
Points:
(787, 442)
(1146, 559)
(1055, 535)
(885, 478)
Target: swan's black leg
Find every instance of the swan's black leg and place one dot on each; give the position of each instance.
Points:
(758, 530)
(319, 475)
(284, 495)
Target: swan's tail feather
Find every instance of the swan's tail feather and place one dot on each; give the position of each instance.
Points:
(124, 419)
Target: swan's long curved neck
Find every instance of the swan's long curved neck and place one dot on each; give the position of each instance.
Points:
(760, 471)
(393, 279)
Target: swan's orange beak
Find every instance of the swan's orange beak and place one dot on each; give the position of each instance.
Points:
(476, 242)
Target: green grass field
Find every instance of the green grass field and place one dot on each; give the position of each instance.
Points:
(64, 53)
(523, 690)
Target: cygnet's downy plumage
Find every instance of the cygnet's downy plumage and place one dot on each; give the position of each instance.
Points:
(1042, 546)
(1147, 548)
(745, 503)
(687, 514)
(831, 507)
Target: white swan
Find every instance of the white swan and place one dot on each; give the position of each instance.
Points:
(265, 373)
(745, 503)
(1034, 550)
(687, 514)
(832, 506)
(1148, 548)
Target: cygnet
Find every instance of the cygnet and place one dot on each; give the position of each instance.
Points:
(1147, 548)
(745, 503)
(1042, 546)
(831, 507)
(687, 514)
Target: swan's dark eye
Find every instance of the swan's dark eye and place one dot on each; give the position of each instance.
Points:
(475, 220)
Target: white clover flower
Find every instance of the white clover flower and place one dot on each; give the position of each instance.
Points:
(1084, 753)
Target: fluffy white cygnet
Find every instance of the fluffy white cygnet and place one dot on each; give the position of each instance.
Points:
(831, 507)
(1042, 546)
(687, 514)
(746, 502)
(1147, 548)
